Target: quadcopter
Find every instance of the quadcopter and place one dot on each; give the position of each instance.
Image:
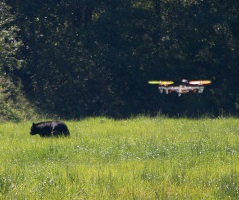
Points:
(187, 86)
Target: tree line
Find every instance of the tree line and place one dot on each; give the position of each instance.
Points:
(89, 57)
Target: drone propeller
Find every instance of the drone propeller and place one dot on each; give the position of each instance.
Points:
(200, 82)
(161, 82)
(153, 82)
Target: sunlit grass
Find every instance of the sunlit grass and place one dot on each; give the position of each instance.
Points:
(138, 158)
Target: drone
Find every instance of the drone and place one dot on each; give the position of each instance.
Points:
(187, 86)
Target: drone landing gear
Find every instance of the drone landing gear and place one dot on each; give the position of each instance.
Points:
(200, 90)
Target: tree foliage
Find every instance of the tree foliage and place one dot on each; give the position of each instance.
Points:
(8, 41)
(12, 101)
(95, 57)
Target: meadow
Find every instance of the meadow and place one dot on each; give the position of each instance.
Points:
(136, 158)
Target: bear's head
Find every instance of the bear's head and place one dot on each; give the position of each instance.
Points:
(33, 129)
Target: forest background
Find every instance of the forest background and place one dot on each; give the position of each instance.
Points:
(80, 58)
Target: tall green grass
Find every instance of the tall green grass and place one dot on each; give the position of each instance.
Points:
(138, 158)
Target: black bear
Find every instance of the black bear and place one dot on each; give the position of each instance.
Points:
(50, 129)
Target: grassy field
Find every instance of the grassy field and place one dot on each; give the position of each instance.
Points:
(138, 158)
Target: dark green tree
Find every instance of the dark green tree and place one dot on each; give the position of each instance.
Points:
(12, 101)
(95, 57)
(9, 44)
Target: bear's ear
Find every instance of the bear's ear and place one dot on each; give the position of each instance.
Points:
(33, 124)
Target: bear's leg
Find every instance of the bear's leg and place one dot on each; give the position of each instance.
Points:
(55, 133)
